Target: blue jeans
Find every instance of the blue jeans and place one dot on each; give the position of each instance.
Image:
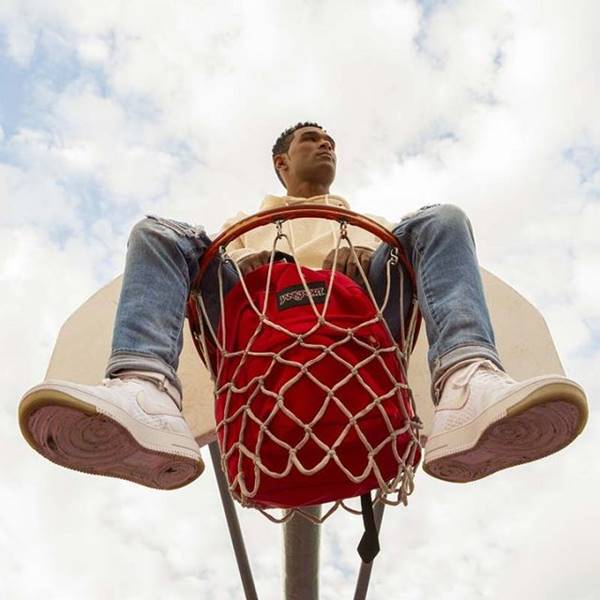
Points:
(163, 256)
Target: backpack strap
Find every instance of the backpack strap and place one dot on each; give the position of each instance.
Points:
(368, 547)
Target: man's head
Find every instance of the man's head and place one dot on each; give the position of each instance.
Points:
(304, 158)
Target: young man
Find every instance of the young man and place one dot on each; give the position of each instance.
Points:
(131, 426)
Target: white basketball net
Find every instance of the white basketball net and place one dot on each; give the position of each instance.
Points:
(389, 492)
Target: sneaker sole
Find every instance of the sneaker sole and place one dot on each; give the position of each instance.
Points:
(510, 433)
(99, 438)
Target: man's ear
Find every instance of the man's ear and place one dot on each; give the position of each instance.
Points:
(280, 165)
(280, 162)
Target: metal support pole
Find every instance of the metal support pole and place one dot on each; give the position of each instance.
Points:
(301, 542)
(364, 575)
(234, 525)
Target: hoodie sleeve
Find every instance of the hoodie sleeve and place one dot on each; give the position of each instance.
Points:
(373, 242)
(237, 248)
(382, 221)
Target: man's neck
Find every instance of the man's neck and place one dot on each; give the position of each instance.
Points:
(308, 190)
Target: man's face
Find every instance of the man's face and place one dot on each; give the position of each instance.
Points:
(311, 157)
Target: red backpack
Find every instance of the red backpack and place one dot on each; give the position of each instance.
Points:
(293, 442)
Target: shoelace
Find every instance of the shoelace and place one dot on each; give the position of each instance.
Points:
(486, 370)
(107, 382)
(117, 382)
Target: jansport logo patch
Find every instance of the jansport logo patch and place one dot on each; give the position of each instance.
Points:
(296, 295)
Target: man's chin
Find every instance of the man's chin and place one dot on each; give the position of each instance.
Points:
(325, 172)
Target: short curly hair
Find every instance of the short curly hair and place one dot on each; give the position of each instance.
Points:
(282, 145)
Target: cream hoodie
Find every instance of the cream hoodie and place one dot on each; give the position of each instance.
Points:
(311, 239)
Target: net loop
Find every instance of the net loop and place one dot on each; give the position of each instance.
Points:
(343, 229)
(279, 225)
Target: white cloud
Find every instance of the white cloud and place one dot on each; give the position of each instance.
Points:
(27, 198)
(93, 51)
(20, 43)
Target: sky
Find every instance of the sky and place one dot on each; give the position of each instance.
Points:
(110, 111)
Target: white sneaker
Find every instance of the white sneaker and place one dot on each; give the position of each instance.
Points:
(127, 427)
(486, 421)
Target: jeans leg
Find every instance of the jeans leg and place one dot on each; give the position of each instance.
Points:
(439, 243)
(162, 261)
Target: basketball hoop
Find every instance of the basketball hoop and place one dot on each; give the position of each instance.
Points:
(311, 398)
